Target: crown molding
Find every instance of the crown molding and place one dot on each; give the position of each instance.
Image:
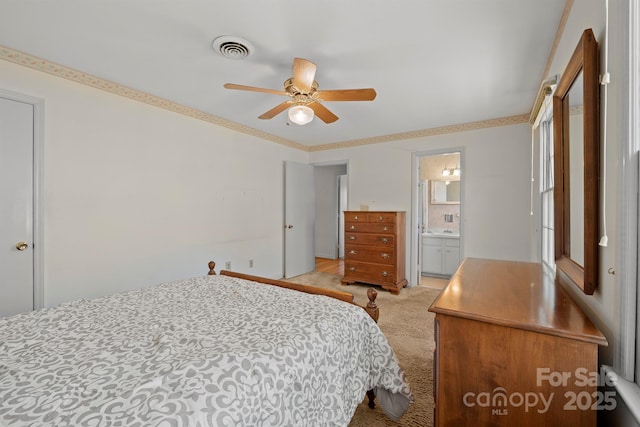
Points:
(503, 121)
(58, 70)
(39, 64)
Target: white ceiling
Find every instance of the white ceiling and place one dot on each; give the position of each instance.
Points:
(433, 63)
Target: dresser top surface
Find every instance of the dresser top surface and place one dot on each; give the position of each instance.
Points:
(514, 294)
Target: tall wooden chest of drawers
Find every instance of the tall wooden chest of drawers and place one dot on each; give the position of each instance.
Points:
(374, 249)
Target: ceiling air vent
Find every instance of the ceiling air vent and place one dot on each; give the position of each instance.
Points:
(232, 47)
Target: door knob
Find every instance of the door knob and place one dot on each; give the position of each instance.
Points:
(21, 246)
(289, 226)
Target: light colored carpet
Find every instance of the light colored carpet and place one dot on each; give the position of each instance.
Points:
(408, 325)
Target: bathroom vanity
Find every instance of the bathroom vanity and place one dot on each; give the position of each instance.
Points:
(440, 253)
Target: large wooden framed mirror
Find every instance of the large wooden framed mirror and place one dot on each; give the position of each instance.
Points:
(576, 134)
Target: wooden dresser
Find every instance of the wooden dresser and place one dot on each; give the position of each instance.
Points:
(513, 348)
(374, 249)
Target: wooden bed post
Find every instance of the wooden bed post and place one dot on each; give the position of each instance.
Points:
(372, 307)
(212, 266)
(374, 312)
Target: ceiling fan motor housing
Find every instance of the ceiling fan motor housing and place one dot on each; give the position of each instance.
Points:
(293, 91)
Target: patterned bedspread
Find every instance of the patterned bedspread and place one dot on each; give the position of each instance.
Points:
(208, 351)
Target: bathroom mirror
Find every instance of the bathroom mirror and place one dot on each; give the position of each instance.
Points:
(576, 134)
(445, 192)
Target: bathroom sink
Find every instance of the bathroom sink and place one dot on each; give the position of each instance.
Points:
(441, 233)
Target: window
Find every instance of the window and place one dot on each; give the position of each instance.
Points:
(545, 130)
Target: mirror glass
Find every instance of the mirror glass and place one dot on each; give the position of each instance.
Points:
(445, 192)
(576, 172)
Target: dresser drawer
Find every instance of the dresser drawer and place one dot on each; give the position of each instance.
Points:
(369, 272)
(375, 254)
(355, 217)
(373, 217)
(382, 217)
(367, 227)
(370, 239)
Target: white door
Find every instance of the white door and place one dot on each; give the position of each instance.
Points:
(299, 219)
(16, 207)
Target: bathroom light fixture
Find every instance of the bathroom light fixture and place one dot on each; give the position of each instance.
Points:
(300, 114)
(451, 172)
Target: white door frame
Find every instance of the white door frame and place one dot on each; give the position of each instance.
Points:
(343, 194)
(38, 191)
(414, 274)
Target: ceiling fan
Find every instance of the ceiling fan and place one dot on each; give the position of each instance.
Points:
(305, 96)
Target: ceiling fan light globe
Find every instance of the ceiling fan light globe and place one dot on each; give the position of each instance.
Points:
(300, 114)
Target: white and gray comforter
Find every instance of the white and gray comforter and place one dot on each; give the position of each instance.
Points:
(208, 351)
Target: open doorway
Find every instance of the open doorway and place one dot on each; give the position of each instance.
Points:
(331, 187)
(438, 221)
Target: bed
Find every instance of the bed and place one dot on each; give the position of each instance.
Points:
(213, 350)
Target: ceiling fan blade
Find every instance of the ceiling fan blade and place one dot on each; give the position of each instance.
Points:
(304, 71)
(276, 110)
(323, 112)
(254, 89)
(367, 94)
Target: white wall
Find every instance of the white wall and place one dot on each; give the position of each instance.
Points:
(136, 195)
(496, 169)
